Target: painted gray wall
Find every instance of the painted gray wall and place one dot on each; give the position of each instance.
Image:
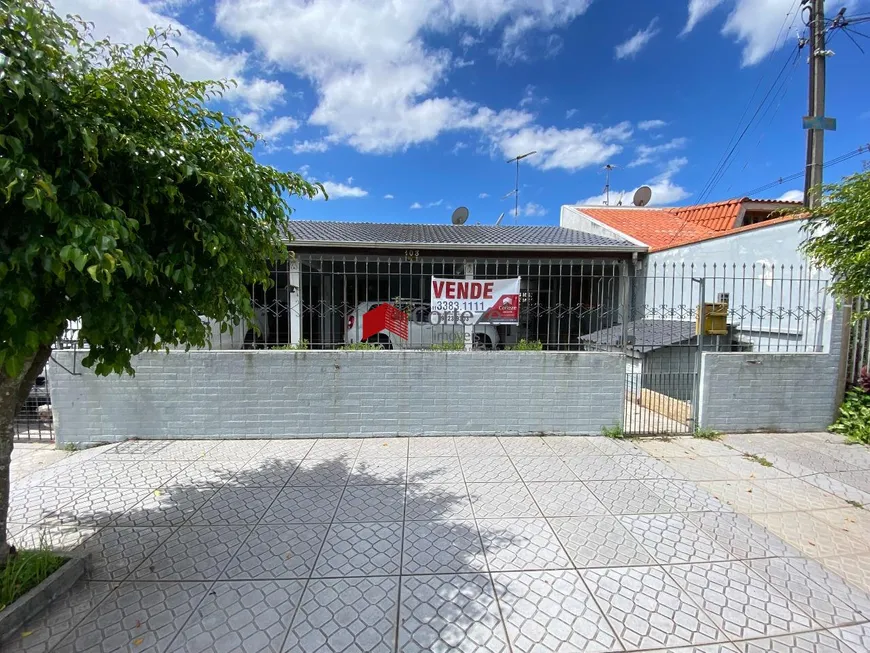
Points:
(771, 392)
(289, 394)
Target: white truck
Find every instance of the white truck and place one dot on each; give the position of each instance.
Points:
(422, 333)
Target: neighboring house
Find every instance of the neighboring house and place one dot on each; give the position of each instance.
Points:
(747, 252)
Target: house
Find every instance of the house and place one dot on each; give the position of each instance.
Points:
(745, 253)
(569, 279)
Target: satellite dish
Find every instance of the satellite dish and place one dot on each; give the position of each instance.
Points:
(500, 218)
(642, 196)
(460, 215)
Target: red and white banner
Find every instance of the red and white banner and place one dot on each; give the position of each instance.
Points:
(477, 301)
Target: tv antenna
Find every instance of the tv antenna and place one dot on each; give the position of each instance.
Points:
(516, 191)
(460, 215)
(500, 218)
(607, 170)
(642, 196)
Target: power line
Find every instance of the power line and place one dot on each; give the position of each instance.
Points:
(782, 180)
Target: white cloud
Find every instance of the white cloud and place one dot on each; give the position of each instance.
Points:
(375, 77)
(530, 99)
(665, 191)
(300, 147)
(792, 196)
(483, 196)
(646, 125)
(262, 94)
(431, 205)
(416, 205)
(649, 153)
(533, 210)
(698, 10)
(569, 149)
(637, 42)
(570, 113)
(388, 196)
(337, 190)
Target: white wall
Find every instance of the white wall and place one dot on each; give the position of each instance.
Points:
(570, 217)
(761, 269)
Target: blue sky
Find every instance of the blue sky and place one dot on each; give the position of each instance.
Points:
(406, 109)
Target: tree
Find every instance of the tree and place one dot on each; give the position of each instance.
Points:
(129, 203)
(839, 236)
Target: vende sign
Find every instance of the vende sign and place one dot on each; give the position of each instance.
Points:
(472, 301)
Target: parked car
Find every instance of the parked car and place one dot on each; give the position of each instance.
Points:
(422, 333)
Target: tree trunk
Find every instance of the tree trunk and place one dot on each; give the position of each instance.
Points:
(13, 394)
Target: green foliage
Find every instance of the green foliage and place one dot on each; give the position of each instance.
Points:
(706, 434)
(129, 201)
(839, 233)
(761, 460)
(24, 571)
(71, 447)
(614, 432)
(303, 345)
(362, 346)
(854, 419)
(454, 344)
(526, 345)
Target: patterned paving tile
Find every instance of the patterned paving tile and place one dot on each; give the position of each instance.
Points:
(362, 549)
(379, 471)
(336, 449)
(494, 500)
(708, 448)
(314, 472)
(815, 642)
(543, 469)
(566, 499)
(304, 504)
(833, 585)
(611, 447)
(168, 506)
(439, 547)
(278, 552)
(263, 472)
(450, 613)
(144, 474)
(48, 627)
(685, 496)
(858, 637)
(431, 446)
(285, 450)
(518, 544)
(525, 447)
(748, 470)
(552, 611)
(479, 447)
(798, 493)
(837, 487)
(853, 568)
(94, 474)
(240, 451)
(709, 648)
(384, 448)
(673, 538)
(648, 609)
(670, 448)
(740, 536)
(205, 474)
(644, 467)
(568, 446)
(489, 470)
(99, 506)
(740, 602)
(851, 520)
(135, 617)
(244, 616)
(628, 497)
(826, 609)
(31, 505)
(435, 469)
(151, 449)
(599, 542)
(193, 553)
(347, 614)
(597, 468)
(372, 503)
(57, 537)
(234, 505)
(115, 552)
(429, 501)
(818, 462)
(812, 536)
(746, 496)
(186, 449)
(700, 469)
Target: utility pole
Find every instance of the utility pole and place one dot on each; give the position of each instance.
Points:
(815, 127)
(607, 168)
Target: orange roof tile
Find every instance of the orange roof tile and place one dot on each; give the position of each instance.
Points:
(663, 228)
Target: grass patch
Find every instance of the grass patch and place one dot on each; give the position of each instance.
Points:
(614, 432)
(24, 570)
(526, 345)
(761, 460)
(706, 434)
(456, 344)
(71, 447)
(303, 345)
(361, 345)
(854, 504)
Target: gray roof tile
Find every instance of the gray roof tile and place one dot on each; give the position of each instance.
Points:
(647, 335)
(314, 233)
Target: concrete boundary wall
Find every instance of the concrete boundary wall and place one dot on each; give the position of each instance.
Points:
(301, 394)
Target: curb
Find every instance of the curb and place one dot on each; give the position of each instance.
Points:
(40, 597)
